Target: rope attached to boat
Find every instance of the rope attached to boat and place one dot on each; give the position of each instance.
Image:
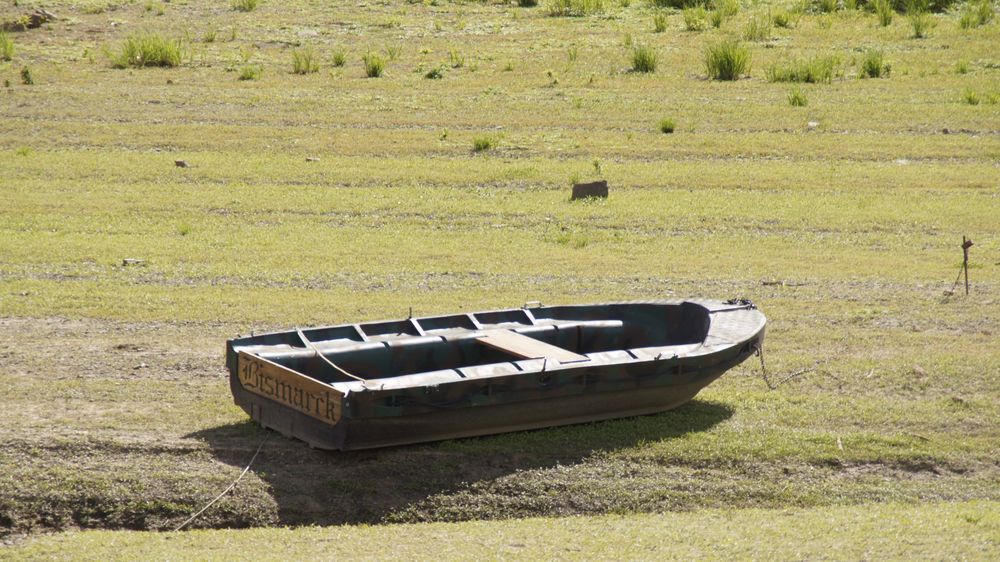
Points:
(231, 486)
(310, 345)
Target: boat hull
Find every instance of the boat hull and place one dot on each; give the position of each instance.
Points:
(491, 398)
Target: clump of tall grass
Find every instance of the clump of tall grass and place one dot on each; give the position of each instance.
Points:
(6, 47)
(250, 72)
(758, 28)
(483, 143)
(796, 98)
(26, 77)
(920, 18)
(962, 67)
(643, 59)
(527, 3)
(873, 65)
(813, 70)
(976, 14)
(667, 126)
(970, 96)
(884, 11)
(728, 8)
(783, 19)
(455, 58)
(695, 19)
(244, 5)
(575, 8)
(727, 60)
(722, 10)
(339, 58)
(304, 61)
(827, 6)
(374, 65)
(659, 22)
(147, 50)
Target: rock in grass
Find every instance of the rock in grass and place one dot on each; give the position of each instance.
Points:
(592, 189)
(312, 159)
(181, 163)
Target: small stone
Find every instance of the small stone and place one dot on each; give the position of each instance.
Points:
(131, 261)
(812, 125)
(945, 131)
(312, 159)
(140, 366)
(592, 189)
(180, 163)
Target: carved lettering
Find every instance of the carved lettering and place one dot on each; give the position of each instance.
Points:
(288, 387)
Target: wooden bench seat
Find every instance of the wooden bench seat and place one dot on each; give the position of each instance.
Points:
(526, 347)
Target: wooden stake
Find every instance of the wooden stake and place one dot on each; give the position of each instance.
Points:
(966, 244)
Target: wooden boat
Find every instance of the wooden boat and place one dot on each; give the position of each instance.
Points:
(376, 384)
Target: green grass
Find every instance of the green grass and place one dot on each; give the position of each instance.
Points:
(339, 58)
(883, 11)
(374, 65)
(880, 398)
(244, 5)
(815, 70)
(874, 65)
(695, 19)
(667, 125)
(659, 22)
(575, 8)
(484, 142)
(727, 60)
(147, 49)
(304, 61)
(644, 59)
(6, 47)
(27, 78)
(758, 28)
(250, 72)
(796, 98)
(965, 530)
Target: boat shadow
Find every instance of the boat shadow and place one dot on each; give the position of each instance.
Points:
(314, 487)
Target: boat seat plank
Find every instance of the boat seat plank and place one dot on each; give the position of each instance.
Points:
(526, 347)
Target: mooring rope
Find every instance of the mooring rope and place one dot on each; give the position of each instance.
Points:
(231, 486)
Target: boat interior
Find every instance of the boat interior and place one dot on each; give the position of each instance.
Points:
(565, 334)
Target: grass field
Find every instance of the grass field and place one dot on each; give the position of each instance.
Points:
(329, 196)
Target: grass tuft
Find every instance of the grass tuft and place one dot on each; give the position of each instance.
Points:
(435, 73)
(374, 65)
(695, 19)
(483, 143)
(796, 98)
(6, 47)
(527, 3)
(884, 11)
(26, 78)
(758, 28)
(970, 96)
(643, 59)
(873, 65)
(339, 58)
(667, 126)
(575, 8)
(827, 6)
(921, 21)
(976, 14)
(727, 60)
(148, 50)
(244, 5)
(304, 61)
(783, 19)
(250, 72)
(819, 69)
(659, 22)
